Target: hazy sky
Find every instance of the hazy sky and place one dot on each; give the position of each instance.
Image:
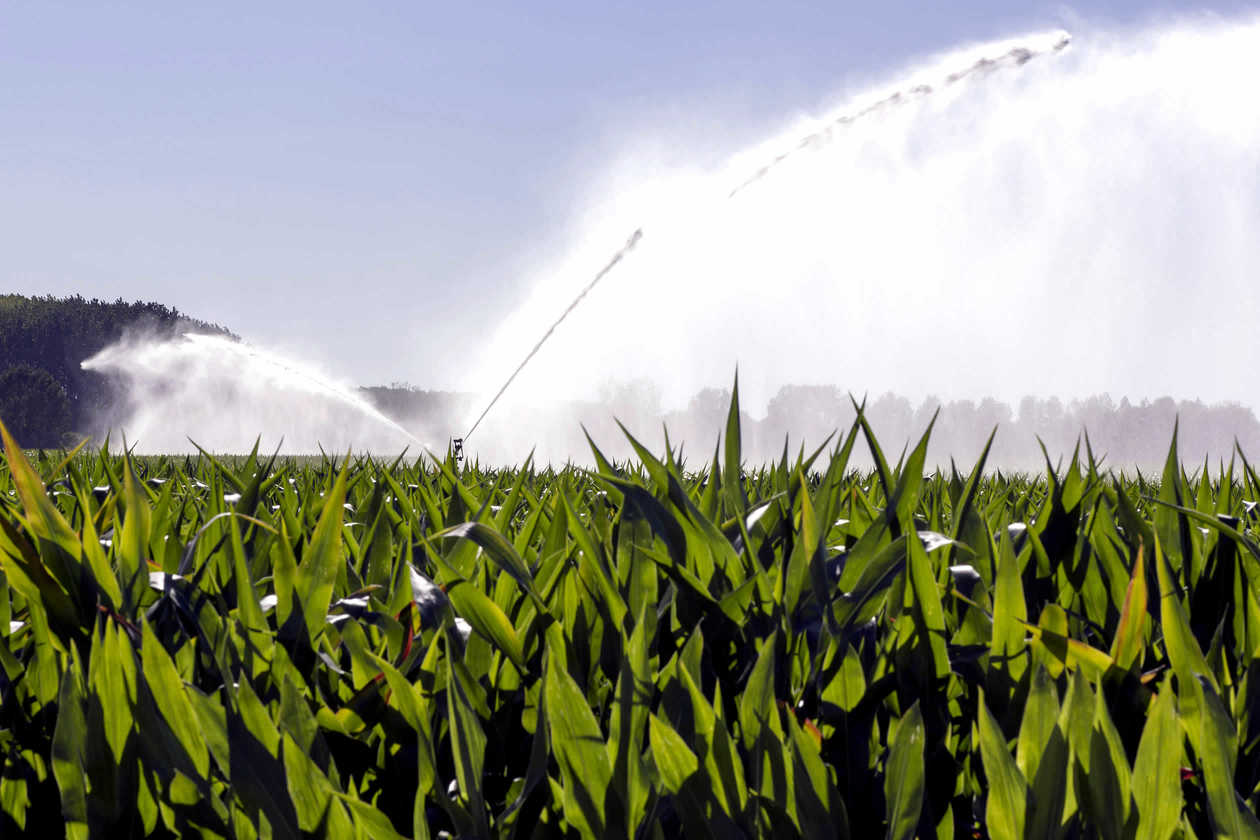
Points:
(368, 186)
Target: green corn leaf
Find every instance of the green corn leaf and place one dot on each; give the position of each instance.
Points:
(929, 616)
(904, 777)
(322, 560)
(1041, 715)
(415, 711)
(15, 800)
(1010, 613)
(578, 747)
(308, 790)
(486, 618)
(1005, 805)
(499, 550)
(1107, 788)
(168, 692)
(1183, 651)
(628, 724)
(68, 758)
(112, 680)
(367, 819)
(906, 495)
(1049, 792)
(733, 480)
(51, 606)
(966, 501)
(248, 503)
(675, 762)
(805, 553)
(212, 720)
(98, 563)
(1063, 651)
(756, 704)
(720, 760)
(678, 769)
(819, 807)
(847, 688)
(877, 454)
(636, 570)
(249, 612)
(133, 552)
(468, 745)
(1216, 742)
(1126, 648)
(1076, 721)
(874, 576)
(45, 520)
(1172, 530)
(1157, 770)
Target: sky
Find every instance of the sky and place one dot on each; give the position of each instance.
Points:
(368, 188)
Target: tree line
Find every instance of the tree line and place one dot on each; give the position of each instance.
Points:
(46, 398)
(1124, 433)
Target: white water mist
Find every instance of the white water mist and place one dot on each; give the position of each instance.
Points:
(224, 394)
(1084, 222)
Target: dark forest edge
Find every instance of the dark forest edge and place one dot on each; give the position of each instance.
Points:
(46, 398)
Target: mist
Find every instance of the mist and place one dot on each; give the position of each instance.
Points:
(1069, 217)
(223, 395)
(1049, 221)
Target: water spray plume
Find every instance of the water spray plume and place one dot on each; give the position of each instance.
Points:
(1014, 218)
(1017, 218)
(1015, 56)
(224, 393)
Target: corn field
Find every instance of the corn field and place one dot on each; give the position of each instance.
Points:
(351, 647)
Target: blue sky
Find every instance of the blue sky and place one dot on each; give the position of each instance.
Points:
(367, 186)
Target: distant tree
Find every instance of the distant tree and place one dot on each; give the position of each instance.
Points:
(635, 402)
(422, 412)
(892, 417)
(708, 408)
(811, 409)
(57, 334)
(34, 407)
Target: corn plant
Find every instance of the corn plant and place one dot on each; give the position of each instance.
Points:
(267, 647)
